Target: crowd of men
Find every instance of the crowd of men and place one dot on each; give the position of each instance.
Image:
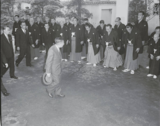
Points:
(121, 45)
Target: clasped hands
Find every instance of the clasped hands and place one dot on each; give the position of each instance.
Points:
(152, 57)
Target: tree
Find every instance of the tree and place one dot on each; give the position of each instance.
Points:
(134, 7)
(76, 9)
(45, 7)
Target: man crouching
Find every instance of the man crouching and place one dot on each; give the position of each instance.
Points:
(53, 68)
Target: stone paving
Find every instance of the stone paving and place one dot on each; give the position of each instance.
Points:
(95, 96)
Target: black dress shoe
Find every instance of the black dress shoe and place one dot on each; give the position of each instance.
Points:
(49, 94)
(6, 94)
(30, 65)
(60, 95)
(14, 77)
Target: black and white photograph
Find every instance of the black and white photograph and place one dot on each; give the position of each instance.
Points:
(80, 63)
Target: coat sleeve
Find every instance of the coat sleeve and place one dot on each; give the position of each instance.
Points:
(145, 32)
(18, 38)
(49, 60)
(138, 40)
(3, 57)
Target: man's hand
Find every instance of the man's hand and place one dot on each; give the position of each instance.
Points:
(158, 57)
(151, 56)
(6, 65)
(143, 42)
(43, 44)
(18, 48)
(29, 33)
(118, 48)
(82, 42)
(33, 45)
(101, 36)
(48, 74)
(97, 46)
(36, 41)
(137, 50)
(88, 40)
(67, 42)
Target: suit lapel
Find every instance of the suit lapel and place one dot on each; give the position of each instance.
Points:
(7, 39)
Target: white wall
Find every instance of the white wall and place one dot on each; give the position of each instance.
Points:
(122, 9)
(96, 11)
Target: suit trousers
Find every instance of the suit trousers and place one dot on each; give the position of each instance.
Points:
(24, 51)
(54, 87)
(11, 66)
(3, 89)
(34, 52)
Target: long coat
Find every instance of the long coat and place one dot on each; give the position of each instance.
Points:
(120, 30)
(40, 26)
(47, 37)
(79, 36)
(92, 36)
(34, 34)
(53, 62)
(16, 25)
(23, 39)
(143, 29)
(66, 31)
(136, 40)
(100, 32)
(113, 38)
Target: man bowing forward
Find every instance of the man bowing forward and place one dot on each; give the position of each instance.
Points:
(54, 68)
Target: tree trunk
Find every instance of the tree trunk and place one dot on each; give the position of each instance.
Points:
(79, 8)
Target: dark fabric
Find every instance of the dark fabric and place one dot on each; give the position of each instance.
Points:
(3, 89)
(34, 34)
(55, 30)
(136, 41)
(7, 54)
(16, 25)
(143, 29)
(120, 30)
(154, 65)
(24, 42)
(93, 36)
(40, 26)
(79, 36)
(113, 38)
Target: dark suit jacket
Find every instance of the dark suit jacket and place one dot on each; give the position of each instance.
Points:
(79, 36)
(7, 46)
(136, 41)
(47, 38)
(23, 39)
(93, 37)
(113, 38)
(35, 34)
(16, 25)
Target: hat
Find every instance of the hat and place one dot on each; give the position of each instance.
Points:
(46, 80)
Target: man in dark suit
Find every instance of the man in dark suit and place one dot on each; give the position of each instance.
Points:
(27, 20)
(40, 26)
(7, 50)
(142, 26)
(120, 28)
(54, 68)
(23, 44)
(16, 25)
(34, 33)
(100, 30)
(47, 39)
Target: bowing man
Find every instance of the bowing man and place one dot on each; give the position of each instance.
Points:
(23, 44)
(112, 57)
(133, 44)
(54, 68)
(120, 28)
(100, 30)
(76, 41)
(154, 56)
(91, 36)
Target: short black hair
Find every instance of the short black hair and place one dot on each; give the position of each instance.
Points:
(5, 26)
(109, 25)
(88, 24)
(158, 27)
(58, 38)
(119, 18)
(22, 22)
(17, 16)
(129, 25)
(85, 19)
(142, 12)
(101, 22)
